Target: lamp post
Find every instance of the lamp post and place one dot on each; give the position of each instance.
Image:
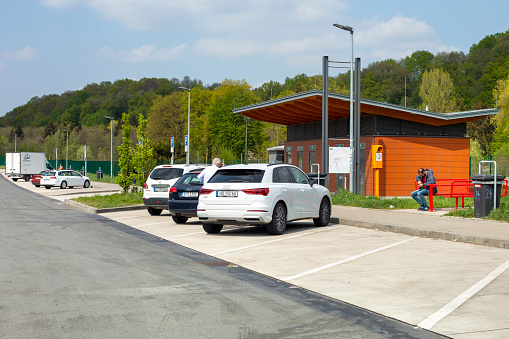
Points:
(111, 145)
(66, 147)
(350, 29)
(188, 123)
(15, 136)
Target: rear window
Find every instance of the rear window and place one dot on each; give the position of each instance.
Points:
(237, 175)
(166, 173)
(189, 179)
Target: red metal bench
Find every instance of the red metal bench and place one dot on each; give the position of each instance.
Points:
(456, 188)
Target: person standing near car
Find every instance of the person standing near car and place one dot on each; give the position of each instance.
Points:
(209, 171)
(424, 178)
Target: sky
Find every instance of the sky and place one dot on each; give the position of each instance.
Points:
(54, 46)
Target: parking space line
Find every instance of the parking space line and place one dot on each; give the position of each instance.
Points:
(321, 268)
(129, 217)
(156, 223)
(433, 319)
(184, 235)
(278, 239)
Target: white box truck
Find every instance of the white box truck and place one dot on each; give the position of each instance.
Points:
(25, 164)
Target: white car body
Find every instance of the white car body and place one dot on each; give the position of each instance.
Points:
(156, 189)
(249, 203)
(64, 179)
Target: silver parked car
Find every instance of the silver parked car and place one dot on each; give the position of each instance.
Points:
(64, 179)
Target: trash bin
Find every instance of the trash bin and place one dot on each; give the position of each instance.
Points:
(99, 173)
(484, 193)
(315, 176)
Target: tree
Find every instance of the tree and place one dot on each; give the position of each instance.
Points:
(482, 131)
(227, 129)
(501, 95)
(125, 150)
(437, 92)
(417, 63)
(143, 159)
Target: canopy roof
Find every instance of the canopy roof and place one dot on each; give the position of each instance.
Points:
(307, 107)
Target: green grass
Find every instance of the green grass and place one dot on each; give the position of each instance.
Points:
(346, 198)
(112, 200)
(106, 178)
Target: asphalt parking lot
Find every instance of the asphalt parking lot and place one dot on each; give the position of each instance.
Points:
(456, 289)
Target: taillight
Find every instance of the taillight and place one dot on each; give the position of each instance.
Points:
(205, 191)
(53, 177)
(173, 190)
(145, 186)
(257, 191)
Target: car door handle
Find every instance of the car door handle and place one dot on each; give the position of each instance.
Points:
(302, 191)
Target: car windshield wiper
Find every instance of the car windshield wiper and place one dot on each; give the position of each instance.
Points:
(238, 180)
(156, 178)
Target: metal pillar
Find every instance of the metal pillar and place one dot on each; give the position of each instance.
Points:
(357, 124)
(325, 120)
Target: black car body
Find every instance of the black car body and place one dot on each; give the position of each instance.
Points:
(183, 199)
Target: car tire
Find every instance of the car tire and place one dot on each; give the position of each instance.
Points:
(37, 185)
(86, 184)
(154, 211)
(278, 224)
(63, 184)
(27, 178)
(14, 179)
(323, 213)
(179, 219)
(212, 228)
(47, 187)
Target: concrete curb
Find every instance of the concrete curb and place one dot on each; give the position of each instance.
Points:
(93, 210)
(470, 239)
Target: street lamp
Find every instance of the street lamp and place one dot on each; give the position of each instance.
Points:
(15, 136)
(111, 145)
(350, 29)
(66, 147)
(188, 123)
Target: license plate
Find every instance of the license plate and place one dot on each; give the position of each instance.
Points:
(189, 194)
(226, 193)
(160, 189)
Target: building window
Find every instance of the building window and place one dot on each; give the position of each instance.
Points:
(288, 154)
(312, 158)
(300, 156)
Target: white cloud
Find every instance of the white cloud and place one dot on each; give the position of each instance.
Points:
(225, 48)
(25, 54)
(143, 53)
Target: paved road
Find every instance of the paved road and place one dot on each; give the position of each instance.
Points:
(68, 274)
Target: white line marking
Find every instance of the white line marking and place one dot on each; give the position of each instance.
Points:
(156, 223)
(278, 239)
(184, 235)
(431, 321)
(130, 217)
(321, 268)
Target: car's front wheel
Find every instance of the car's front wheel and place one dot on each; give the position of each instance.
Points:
(86, 184)
(212, 228)
(63, 184)
(278, 224)
(47, 187)
(179, 219)
(323, 213)
(154, 211)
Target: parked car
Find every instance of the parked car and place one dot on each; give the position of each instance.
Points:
(64, 179)
(262, 194)
(183, 199)
(156, 188)
(36, 179)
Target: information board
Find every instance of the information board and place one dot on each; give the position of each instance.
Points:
(340, 159)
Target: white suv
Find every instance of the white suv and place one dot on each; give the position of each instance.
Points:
(262, 194)
(156, 188)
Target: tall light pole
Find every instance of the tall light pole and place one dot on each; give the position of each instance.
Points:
(350, 29)
(188, 123)
(66, 147)
(111, 145)
(15, 136)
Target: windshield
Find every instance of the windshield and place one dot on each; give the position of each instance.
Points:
(166, 173)
(237, 175)
(189, 179)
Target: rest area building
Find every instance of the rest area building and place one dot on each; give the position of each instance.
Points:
(411, 138)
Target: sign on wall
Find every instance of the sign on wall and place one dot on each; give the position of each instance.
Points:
(340, 159)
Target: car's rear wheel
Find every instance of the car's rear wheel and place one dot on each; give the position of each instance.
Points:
(63, 184)
(86, 184)
(27, 178)
(37, 185)
(179, 219)
(154, 211)
(212, 228)
(323, 213)
(14, 179)
(47, 187)
(278, 224)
